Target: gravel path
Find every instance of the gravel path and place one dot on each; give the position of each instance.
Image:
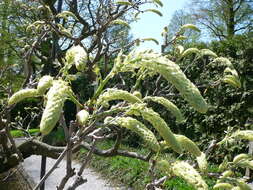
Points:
(31, 169)
(31, 166)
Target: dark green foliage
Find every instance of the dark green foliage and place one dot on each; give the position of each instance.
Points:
(228, 106)
(69, 111)
(56, 137)
(23, 114)
(235, 47)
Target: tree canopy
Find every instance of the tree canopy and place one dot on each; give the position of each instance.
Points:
(223, 18)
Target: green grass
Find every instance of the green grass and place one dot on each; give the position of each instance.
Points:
(133, 172)
(20, 133)
(128, 171)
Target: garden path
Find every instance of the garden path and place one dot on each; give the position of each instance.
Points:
(31, 169)
(31, 166)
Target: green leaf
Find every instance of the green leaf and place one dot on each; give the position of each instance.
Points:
(250, 109)
(223, 166)
(136, 15)
(189, 26)
(243, 185)
(241, 157)
(232, 71)
(158, 2)
(66, 14)
(243, 135)
(151, 39)
(121, 22)
(207, 52)
(190, 51)
(123, 3)
(181, 37)
(232, 80)
(179, 49)
(64, 31)
(154, 11)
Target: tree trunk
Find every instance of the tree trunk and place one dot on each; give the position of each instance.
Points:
(231, 20)
(15, 180)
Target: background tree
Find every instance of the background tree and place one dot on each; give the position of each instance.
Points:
(229, 105)
(14, 18)
(223, 18)
(180, 18)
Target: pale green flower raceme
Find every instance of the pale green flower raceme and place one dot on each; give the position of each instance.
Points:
(77, 56)
(189, 174)
(240, 157)
(224, 186)
(190, 51)
(116, 94)
(171, 72)
(137, 127)
(170, 106)
(158, 123)
(21, 95)
(183, 170)
(243, 135)
(44, 83)
(188, 145)
(202, 162)
(56, 97)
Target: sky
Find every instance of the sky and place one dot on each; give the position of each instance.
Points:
(150, 25)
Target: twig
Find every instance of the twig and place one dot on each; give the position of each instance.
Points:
(52, 169)
(7, 130)
(10, 173)
(88, 157)
(156, 183)
(79, 179)
(111, 152)
(28, 57)
(69, 171)
(211, 146)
